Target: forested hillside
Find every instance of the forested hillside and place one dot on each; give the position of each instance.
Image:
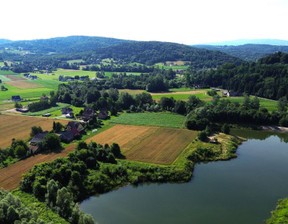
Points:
(267, 78)
(54, 53)
(72, 44)
(152, 52)
(247, 52)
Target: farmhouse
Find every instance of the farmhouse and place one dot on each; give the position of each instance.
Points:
(87, 114)
(34, 142)
(227, 93)
(74, 127)
(16, 98)
(66, 136)
(103, 114)
(66, 110)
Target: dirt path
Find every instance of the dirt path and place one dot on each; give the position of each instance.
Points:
(11, 176)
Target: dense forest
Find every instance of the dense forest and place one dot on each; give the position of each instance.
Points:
(268, 77)
(247, 52)
(54, 53)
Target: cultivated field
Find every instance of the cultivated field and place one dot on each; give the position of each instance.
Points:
(11, 176)
(158, 145)
(19, 127)
(23, 84)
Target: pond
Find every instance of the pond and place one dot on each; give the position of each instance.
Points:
(242, 190)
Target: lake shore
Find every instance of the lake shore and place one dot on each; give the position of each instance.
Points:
(274, 128)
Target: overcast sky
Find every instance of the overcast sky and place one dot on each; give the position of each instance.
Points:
(181, 21)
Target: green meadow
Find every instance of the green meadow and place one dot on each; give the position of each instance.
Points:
(164, 119)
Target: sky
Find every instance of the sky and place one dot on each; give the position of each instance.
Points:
(181, 21)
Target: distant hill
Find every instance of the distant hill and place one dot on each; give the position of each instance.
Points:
(92, 48)
(69, 44)
(247, 52)
(151, 52)
(250, 41)
(5, 41)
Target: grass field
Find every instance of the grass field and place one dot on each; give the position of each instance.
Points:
(19, 127)
(7, 72)
(150, 144)
(151, 119)
(4, 78)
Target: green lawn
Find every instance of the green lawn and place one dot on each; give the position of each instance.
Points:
(24, 93)
(4, 79)
(164, 119)
(7, 73)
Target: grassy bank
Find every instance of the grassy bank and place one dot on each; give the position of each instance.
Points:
(280, 214)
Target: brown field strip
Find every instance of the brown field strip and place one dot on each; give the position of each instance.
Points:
(159, 145)
(23, 84)
(11, 176)
(14, 77)
(177, 93)
(19, 127)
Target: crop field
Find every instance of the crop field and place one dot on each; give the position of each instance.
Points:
(151, 119)
(19, 127)
(23, 84)
(11, 176)
(157, 145)
(132, 91)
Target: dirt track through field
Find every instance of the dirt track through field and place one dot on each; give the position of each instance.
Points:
(11, 176)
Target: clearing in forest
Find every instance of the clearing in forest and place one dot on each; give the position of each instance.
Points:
(158, 145)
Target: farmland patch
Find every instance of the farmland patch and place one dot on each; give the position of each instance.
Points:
(23, 84)
(158, 145)
(19, 127)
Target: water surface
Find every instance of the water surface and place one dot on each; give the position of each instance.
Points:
(242, 190)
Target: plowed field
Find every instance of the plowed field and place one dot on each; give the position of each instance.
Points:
(159, 145)
(19, 127)
(11, 176)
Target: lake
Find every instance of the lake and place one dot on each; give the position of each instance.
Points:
(242, 190)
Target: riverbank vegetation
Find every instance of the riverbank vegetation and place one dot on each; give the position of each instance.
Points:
(280, 214)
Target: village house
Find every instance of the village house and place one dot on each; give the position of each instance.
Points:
(66, 110)
(34, 142)
(87, 114)
(103, 114)
(66, 136)
(75, 128)
(16, 98)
